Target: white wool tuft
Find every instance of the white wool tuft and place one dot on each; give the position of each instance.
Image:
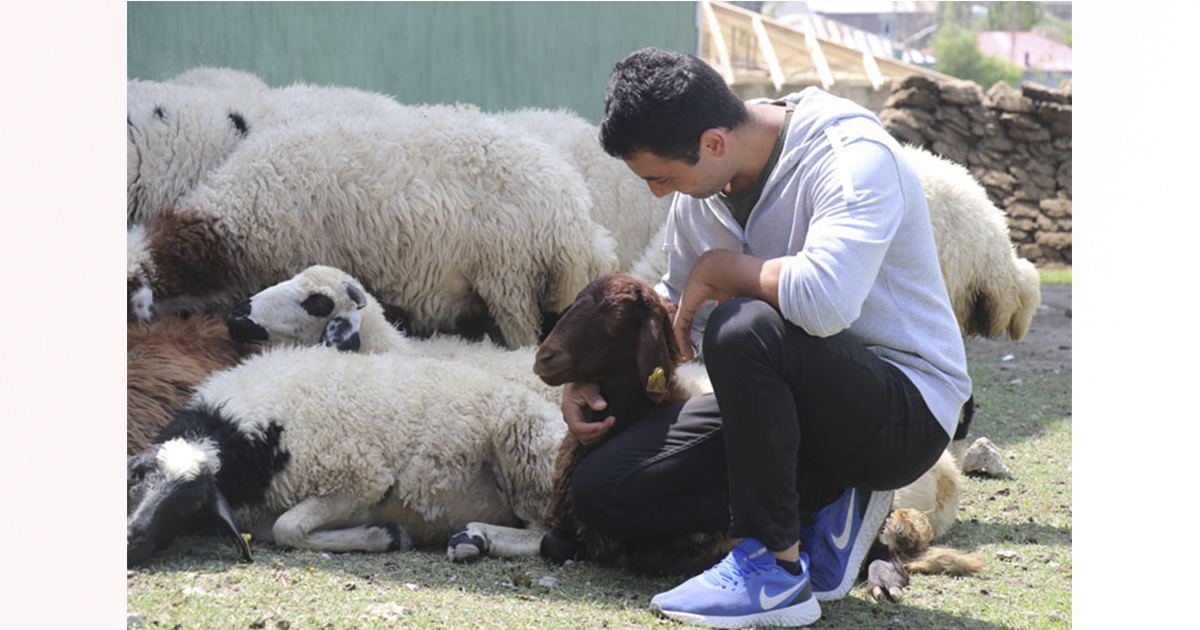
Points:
(181, 459)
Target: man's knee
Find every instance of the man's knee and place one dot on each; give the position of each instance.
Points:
(741, 324)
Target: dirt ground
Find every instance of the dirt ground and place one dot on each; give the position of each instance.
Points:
(1046, 348)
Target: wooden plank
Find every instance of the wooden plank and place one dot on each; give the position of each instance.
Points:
(764, 44)
(714, 29)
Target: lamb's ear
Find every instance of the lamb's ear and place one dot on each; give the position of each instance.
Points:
(342, 333)
(356, 294)
(215, 502)
(653, 359)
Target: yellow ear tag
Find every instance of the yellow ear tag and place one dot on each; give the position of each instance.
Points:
(657, 383)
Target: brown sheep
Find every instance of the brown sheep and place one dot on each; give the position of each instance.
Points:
(618, 334)
(167, 359)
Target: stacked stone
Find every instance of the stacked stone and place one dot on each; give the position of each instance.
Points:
(1017, 143)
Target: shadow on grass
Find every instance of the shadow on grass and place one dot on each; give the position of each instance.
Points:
(521, 581)
(971, 534)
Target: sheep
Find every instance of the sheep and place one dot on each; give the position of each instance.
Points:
(921, 512)
(621, 201)
(166, 360)
(325, 306)
(183, 128)
(313, 448)
(441, 211)
(589, 344)
(992, 291)
(176, 133)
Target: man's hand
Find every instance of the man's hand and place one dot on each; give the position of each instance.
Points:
(575, 399)
(720, 274)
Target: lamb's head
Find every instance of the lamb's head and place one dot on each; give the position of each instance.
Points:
(319, 306)
(618, 326)
(170, 485)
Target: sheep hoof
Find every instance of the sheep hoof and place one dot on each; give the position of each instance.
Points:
(468, 544)
(886, 580)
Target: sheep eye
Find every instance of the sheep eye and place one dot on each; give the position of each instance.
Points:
(318, 305)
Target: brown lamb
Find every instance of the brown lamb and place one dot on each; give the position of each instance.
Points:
(617, 333)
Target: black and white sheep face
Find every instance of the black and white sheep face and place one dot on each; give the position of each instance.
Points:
(320, 306)
(169, 486)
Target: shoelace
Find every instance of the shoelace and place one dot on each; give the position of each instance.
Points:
(730, 572)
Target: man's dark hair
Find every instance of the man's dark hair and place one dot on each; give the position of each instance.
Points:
(661, 101)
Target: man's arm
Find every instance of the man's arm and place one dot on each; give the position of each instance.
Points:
(720, 274)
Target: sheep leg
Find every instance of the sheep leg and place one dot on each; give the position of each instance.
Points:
(886, 575)
(301, 527)
(518, 317)
(478, 540)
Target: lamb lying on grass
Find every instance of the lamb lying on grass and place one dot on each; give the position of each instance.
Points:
(321, 449)
(325, 306)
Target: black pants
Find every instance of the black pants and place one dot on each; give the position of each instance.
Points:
(793, 419)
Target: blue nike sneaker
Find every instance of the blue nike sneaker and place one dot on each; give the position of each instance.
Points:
(746, 588)
(838, 541)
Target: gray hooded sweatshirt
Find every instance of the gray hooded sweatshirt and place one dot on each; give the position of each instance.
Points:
(851, 214)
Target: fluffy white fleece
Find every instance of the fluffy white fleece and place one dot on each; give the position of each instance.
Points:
(440, 210)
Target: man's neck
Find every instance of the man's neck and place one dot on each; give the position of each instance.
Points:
(756, 140)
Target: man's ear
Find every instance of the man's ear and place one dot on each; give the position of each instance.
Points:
(712, 142)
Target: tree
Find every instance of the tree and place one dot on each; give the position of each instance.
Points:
(959, 56)
(1013, 16)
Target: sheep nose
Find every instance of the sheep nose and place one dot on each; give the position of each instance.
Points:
(543, 359)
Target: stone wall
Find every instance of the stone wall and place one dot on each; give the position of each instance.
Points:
(1017, 143)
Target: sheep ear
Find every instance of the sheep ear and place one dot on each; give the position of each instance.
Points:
(653, 359)
(215, 502)
(356, 294)
(341, 333)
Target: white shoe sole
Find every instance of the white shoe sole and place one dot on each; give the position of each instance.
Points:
(878, 508)
(802, 614)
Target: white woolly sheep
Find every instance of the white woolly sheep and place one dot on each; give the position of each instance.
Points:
(181, 129)
(992, 290)
(325, 306)
(176, 133)
(441, 211)
(621, 201)
(166, 360)
(320, 449)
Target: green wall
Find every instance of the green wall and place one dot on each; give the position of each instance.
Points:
(498, 55)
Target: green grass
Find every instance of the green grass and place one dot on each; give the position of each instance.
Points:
(1055, 275)
(1022, 526)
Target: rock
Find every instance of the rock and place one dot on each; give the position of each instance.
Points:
(984, 457)
(1016, 143)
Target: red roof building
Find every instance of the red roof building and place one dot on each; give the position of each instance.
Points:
(1036, 54)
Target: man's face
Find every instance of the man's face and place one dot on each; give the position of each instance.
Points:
(700, 180)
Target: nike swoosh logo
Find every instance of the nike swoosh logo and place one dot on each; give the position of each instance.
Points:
(770, 601)
(840, 541)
